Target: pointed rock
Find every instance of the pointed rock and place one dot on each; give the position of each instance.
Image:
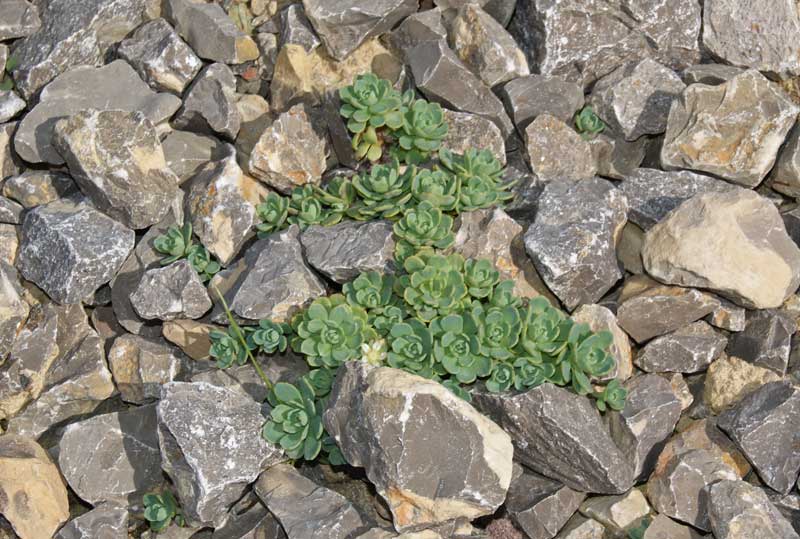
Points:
(540, 506)
(546, 137)
(141, 366)
(104, 522)
(171, 292)
(689, 349)
(766, 340)
(738, 510)
(210, 103)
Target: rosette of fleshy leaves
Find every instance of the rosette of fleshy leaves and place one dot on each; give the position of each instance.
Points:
(438, 187)
(227, 348)
(532, 371)
(321, 381)
(612, 396)
(384, 191)
(269, 337)
(371, 107)
(306, 209)
(501, 378)
(273, 212)
(481, 179)
(586, 357)
(498, 330)
(374, 292)
(162, 509)
(175, 243)
(411, 347)
(295, 421)
(338, 195)
(457, 348)
(422, 226)
(202, 262)
(588, 124)
(480, 276)
(433, 285)
(421, 133)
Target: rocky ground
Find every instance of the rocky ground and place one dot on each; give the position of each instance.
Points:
(657, 163)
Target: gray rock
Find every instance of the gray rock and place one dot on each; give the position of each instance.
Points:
(547, 140)
(733, 130)
(789, 506)
(254, 522)
(18, 18)
(10, 211)
(112, 457)
(382, 420)
(10, 105)
(765, 425)
(572, 216)
(187, 153)
(540, 506)
(679, 489)
(210, 32)
(211, 445)
(9, 243)
(35, 187)
(662, 527)
(107, 521)
(296, 29)
(13, 308)
(561, 435)
(70, 249)
(73, 33)
(161, 57)
(141, 366)
(171, 292)
(690, 349)
(766, 339)
(617, 513)
(785, 176)
(344, 26)
(738, 510)
(642, 427)
(616, 157)
(210, 103)
(580, 527)
(728, 316)
(529, 97)
(9, 162)
(307, 510)
(653, 193)
(116, 159)
(443, 77)
(466, 131)
(343, 251)
(711, 74)
(84, 88)
(754, 35)
(417, 28)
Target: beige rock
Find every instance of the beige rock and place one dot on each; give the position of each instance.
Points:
(734, 243)
(9, 243)
(600, 318)
(729, 379)
(663, 527)
(465, 130)
(255, 115)
(8, 159)
(34, 498)
(190, 336)
(616, 512)
(141, 366)
(629, 248)
(548, 141)
(680, 388)
(703, 434)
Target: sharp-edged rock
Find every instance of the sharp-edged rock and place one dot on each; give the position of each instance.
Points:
(171, 292)
(617, 513)
(187, 153)
(766, 340)
(18, 18)
(210, 103)
(465, 130)
(689, 349)
(35, 187)
(547, 140)
(13, 308)
(141, 366)
(738, 510)
(540, 506)
(731, 378)
(106, 521)
(296, 29)
(527, 98)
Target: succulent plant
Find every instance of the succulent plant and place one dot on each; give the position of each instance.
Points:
(501, 379)
(321, 381)
(331, 451)
(422, 132)
(227, 348)
(531, 372)
(456, 347)
(6, 82)
(588, 124)
(422, 226)
(200, 259)
(384, 191)
(175, 243)
(370, 104)
(384, 319)
(503, 295)
(543, 329)
(411, 347)
(613, 396)
(370, 290)
(273, 212)
(161, 509)
(434, 285)
(440, 188)
(330, 332)
(498, 330)
(374, 352)
(478, 192)
(480, 276)
(457, 389)
(481, 178)
(269, 337)
(306, 209)
(295, 421)
(587, 357)
(338, 194)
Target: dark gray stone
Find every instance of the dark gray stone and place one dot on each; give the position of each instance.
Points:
(18, 18)
(528, 97)
(766, 426)
(10, 211)
(417, 28)
(187, 153)
(788, 505)
(171, 292)
(70, 249)
(296, 29)
(616, 157)
(738, 510)
(561, 435)
(540, 506)
(785, 176)
(689, 349)
(13, 308)
(572, 216)
(210, 103)
(107, 521)
(766, 339)
(728, 316)
(252, 522)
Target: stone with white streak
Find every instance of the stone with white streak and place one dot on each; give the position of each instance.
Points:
(18, 18)
(141, 366)
(548, 139)
(107, 521)
(171, 292)
(13, 308)
(210, 103)
(689, 349)
(738, 510)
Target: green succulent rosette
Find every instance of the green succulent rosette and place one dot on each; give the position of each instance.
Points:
(433, 286)
(422, 226)
(273, 213)
(457, 348)
(439, 188)
(410, 348)
(370, 105)
(422, 132)
(295, 422)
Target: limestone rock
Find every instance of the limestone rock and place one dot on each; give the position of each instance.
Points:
(382, 418)
(187, 153)
(730, 378)
(689, 349)
(785, 176)
(548, 139)
(711, 74)
(466, 131)
(34, 497)
(662, 527)
(599, 319)
(617, 513)
(560, 435)
(728, 316)
(13, 308)
(738, 510)
(211, 446)
(254, 522)
(572, 216)
(84, 88)
(540, 506)
(161, 57)
(112, 457)
(527, 98)
(616, 157)
(35, 187)
(415, 29)
(190, 336)
(9, 243)
(69, 250)
(104, 522)
(141, 366)
(9, 162)
(210, 103)
(116, 159)
(18, 18)
(210, 32)
(10, 105)
(171, 292)
(580, 527)
(10, 211)
(296, 29)
(766, 340)
(733, 243)
(733, 130)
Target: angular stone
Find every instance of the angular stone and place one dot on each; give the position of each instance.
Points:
(161, 57)
(662, 527)
(34, 497)
(738, 510)
(171, 292)
(296, 29)
(617, 513)
(10, 211)
(18, 18)
(635, 99)
(9, 243)
(616, 157)
(690, 349)
(728, 316)
(70, 249)
(561, 435)
(466, 131)
(680, 388)
(766, 340)
(733, 243)
(307, 510)
(344, 26)
(580, 527)
(73, 33)
(104, 522)
(343, 251)
(210, 32)
(186, 152)
(653, 193)
(540, 506)
(35, 187)
(190, 336)
(733, 130)
(765, 425)
(785, 176)
(112, 457)
(572, 216)
(290, 152)
(599, 319)
(13, 308)
(211, 445)
(417, 28)
(210, 103)
(116, 159)
(442, 77)
(222, 204)
(789, 506)
(680, 489)
(141, 366)
(10, 105)
(9, 162)
(711, 74)
(548, 139)
(254, 522)
(486, 47)
(526, 98)
(382, 420)
(729, 379)
(83, 88)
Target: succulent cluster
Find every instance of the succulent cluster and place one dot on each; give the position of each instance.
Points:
(6, 82)
(177, 244)
(588, 124)
(162, 509)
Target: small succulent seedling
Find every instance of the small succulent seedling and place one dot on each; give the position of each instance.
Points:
(422, 132)
(177, 244)
(162, 509)
(588, 124)
(272, 212)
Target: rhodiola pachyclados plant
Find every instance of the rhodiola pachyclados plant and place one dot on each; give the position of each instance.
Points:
(177, 243)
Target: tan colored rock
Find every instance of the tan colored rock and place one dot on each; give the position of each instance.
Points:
(34, 498)
(9, 243)
(616, 512)
(629, 248)
(141, 366)
(600, 318)
(190, 336)
(729, 379)
(549, 140)
(733, 243)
